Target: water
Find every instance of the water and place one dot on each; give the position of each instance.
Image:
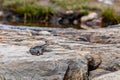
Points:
(35, 28)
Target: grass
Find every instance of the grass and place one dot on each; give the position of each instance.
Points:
(29, 8)
(35, 10)
(23, 6)
(110, 16)
(73, 4)
(32, 10)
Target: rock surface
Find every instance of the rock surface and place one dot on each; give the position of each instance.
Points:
(110, 76)
(17, 64)
(70, 55)
(91, 21)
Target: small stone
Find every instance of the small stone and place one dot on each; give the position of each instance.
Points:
(75, 22)
(1, 13)
(92, 20)
(69, 12)
(44, 33)
(90, 16)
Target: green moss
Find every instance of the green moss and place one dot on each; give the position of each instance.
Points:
(73, 4)
(77, 5)
(109, 16)
(11, 3)
(118, 19)
(28, 7)
(108, 12)
(84, 12)
(36, 11)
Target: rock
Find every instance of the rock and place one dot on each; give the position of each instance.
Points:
(69, 12)
(58, 64)
(109, 2)
(84, 26)
(74, 72)
(70, 17)
(114, 64)
(44, 33)
(91, 20)
(114, 26)
(98, 72)
(93, 60)
(90, 16)
(109, 76)
(71, 54)
(17, 64)
(1, 15)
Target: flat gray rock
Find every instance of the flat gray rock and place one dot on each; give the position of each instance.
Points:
(110, 76)
(16, 63)
(70, 55)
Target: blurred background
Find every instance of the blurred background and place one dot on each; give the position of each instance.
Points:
(80, 14)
